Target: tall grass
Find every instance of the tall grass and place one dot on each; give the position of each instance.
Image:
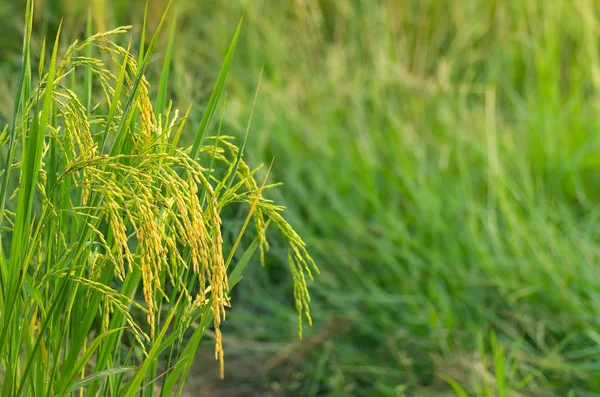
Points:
(113, 264)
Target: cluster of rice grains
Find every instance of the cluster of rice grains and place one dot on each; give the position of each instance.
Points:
(145, 205)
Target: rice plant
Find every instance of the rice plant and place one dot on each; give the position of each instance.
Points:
(113, 264)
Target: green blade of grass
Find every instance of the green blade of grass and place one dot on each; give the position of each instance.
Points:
(97, 376)
(216, 94)
(24, 75)
(68, 379)
(246, 133)
(143, 33)
(498, 352)
(458, 389)
(161, 97)
(42, 58)
(88, 70)
(115, 99)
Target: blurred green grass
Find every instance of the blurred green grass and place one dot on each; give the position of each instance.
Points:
(441, 158)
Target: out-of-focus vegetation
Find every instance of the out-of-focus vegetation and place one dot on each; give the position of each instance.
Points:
(442, 159)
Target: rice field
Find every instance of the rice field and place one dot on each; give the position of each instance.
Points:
(438, 161)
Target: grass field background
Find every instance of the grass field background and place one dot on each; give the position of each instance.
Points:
(441, 159)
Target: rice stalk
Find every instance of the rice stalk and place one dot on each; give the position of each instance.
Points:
(109, 205)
